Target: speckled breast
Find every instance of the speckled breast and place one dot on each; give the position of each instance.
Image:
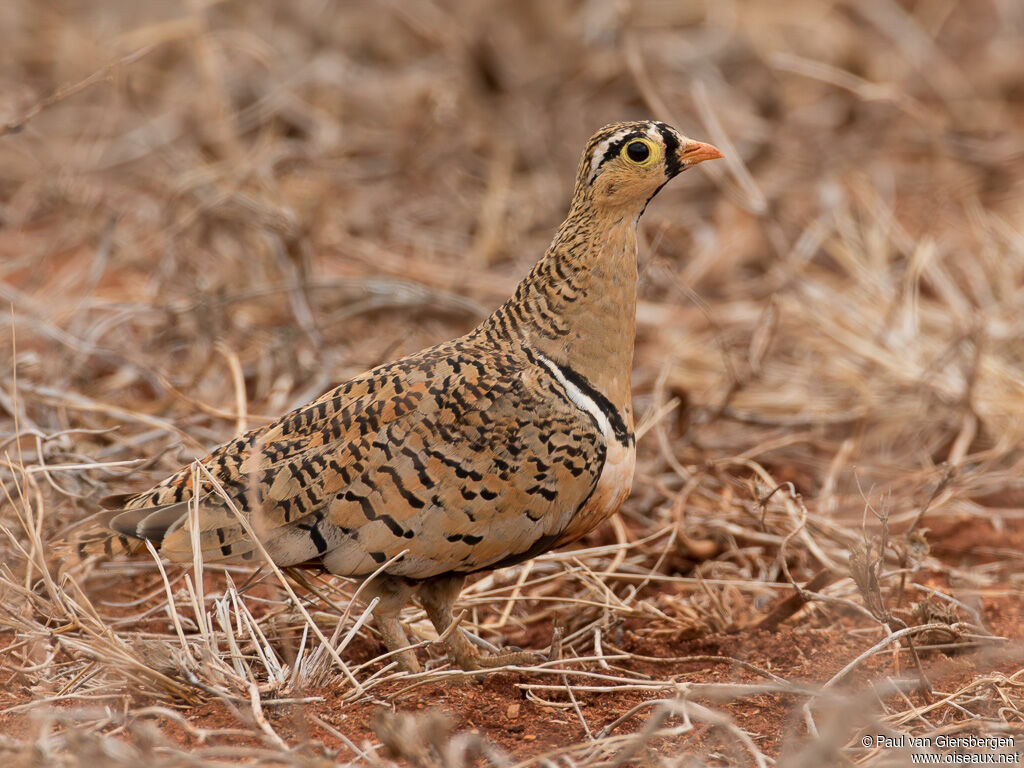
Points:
(613, 486)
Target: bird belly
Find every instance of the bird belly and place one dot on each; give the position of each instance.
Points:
(612, 488)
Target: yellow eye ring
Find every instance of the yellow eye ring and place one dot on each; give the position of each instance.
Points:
(640, 152)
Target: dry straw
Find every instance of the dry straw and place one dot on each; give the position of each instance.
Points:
(212, 211)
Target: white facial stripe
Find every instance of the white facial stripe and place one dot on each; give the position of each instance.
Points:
(600, 149)
(597, 156)
(579, 398)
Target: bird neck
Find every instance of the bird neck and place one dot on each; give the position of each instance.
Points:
(577, 307)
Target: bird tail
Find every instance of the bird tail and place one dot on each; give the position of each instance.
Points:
(96, 538)
(124, 525)
(105, 544)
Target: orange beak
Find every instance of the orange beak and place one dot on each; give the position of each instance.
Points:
(697, 152)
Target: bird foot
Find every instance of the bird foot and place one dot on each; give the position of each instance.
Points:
(407, 660)
(475, 660)
(394, 638)
(462, 653)
(437, 597)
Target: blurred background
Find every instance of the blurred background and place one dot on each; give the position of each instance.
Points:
(325, 185)
(210, 211)
(290, 193)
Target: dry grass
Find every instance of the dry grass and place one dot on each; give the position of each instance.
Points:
(213, 210)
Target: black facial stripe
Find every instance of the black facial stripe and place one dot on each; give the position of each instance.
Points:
(672, 164)
(613, 149)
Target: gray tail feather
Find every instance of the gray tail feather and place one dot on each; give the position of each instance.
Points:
(152, 523)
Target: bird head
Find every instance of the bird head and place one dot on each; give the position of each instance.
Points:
(626, 164)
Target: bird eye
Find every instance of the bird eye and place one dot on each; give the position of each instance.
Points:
(638, 151)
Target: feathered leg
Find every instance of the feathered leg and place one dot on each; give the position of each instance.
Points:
(394, 594)
(438, 596)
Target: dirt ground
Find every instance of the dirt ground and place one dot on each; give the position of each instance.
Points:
(494, 706)
(212, 211)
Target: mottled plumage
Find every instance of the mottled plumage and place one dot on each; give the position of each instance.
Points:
(478, 453)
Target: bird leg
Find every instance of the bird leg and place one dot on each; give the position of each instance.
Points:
(437, 596)
(394, 594)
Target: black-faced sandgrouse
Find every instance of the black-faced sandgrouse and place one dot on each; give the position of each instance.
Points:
(475, 454)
